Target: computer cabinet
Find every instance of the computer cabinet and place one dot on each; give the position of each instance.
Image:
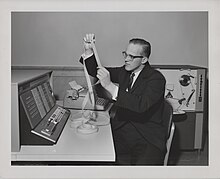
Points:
(187, 91)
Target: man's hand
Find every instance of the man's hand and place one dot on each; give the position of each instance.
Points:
(103, 76)
(88, 39)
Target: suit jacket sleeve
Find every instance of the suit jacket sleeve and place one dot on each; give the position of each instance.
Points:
(91, 65)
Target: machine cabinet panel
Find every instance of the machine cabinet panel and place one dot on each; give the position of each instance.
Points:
(187, 93)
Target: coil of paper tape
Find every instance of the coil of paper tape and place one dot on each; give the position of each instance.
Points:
(87, 129)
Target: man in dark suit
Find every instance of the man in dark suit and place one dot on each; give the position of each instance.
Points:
(138, 131)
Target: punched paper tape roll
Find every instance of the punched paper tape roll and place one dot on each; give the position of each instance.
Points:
(87, 129)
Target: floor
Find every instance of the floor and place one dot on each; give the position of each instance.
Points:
(190, 157)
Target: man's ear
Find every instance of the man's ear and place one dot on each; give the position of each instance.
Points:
(144, 60)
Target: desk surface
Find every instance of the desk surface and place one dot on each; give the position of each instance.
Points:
(72, 146)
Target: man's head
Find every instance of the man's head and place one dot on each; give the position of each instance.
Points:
(136, 54)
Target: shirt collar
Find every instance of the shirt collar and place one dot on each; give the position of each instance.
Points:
(137, 73)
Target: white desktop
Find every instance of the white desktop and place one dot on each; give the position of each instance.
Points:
(70, 145)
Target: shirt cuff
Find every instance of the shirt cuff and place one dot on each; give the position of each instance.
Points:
(113, 89)
(85, 56)
(115, 94)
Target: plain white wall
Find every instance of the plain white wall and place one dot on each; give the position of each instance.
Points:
(55, 38)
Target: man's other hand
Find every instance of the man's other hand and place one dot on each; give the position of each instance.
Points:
(103, 76)
(88, 39)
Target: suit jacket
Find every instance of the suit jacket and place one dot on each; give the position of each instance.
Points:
(142, 106)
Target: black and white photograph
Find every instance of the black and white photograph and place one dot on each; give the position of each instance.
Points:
(162, 115)
(112, 91)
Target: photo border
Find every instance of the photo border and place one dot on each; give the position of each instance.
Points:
(211, 171)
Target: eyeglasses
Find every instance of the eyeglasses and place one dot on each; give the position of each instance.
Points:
(131, 57)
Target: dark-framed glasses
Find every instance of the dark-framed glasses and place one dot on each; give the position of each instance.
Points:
(129, 56)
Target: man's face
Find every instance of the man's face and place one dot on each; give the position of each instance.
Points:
(134, 64)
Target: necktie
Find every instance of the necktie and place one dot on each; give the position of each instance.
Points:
(130, 81)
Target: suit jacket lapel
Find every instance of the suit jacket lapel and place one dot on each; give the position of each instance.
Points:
(144, 74)
(124, 79)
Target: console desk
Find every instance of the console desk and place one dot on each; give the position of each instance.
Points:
(72, 146)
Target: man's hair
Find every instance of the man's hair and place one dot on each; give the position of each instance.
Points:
(146, 47)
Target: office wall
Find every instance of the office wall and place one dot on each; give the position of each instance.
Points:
(55, 38)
